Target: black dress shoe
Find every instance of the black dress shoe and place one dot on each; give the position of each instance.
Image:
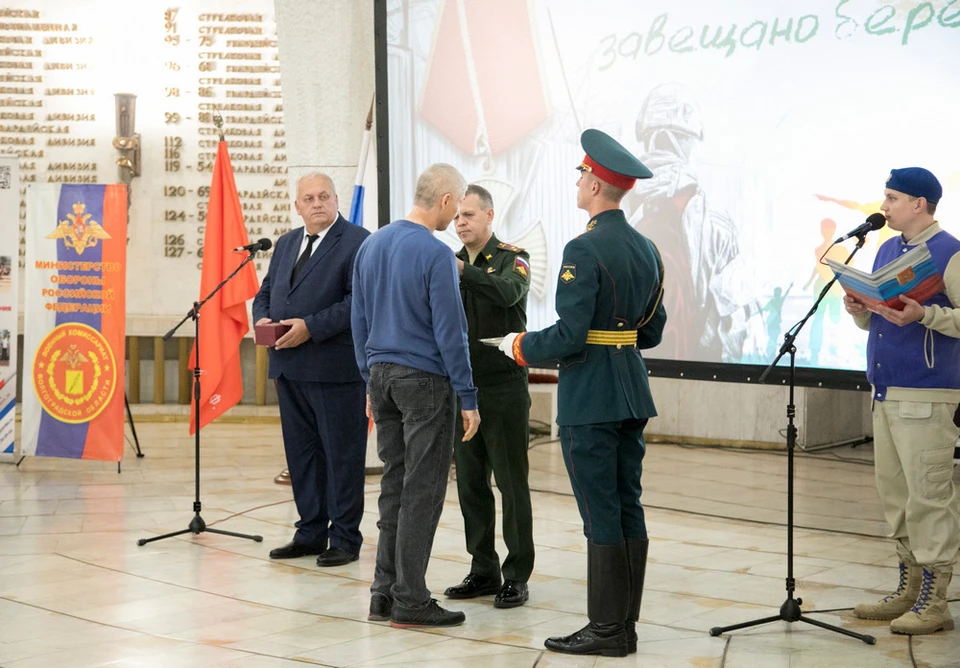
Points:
(336, 556)
(603, 639)
(431, 615)
(293, 549)
(512, 594)
(472, 586)
(380, 607)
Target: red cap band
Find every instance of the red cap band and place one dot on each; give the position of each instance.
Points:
(604, 174)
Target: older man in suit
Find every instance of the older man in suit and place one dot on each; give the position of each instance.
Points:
(321, 394)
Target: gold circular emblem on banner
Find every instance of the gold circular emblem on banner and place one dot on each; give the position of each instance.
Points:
(74, 373)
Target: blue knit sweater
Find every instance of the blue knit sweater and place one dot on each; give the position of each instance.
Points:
(407, 308)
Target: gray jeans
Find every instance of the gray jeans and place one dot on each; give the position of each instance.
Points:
(414, 412)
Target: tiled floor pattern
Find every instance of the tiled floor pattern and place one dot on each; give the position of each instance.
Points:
(76, 590)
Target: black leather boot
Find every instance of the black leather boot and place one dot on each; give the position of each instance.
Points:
(637, 567)
(606, 606)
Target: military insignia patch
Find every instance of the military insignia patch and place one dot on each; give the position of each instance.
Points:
(509, 247)
(79, 232)
(74, 373)
(568, 273)
(592, 224)
(522, 267)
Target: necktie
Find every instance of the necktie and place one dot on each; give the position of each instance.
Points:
(304, 256)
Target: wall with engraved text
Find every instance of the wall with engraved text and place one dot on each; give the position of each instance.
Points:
(60, 66)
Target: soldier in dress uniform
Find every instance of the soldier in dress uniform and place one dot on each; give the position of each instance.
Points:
(494, 282)
(610, 306)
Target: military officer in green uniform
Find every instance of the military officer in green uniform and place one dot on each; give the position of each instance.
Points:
(609, 302)
(494, 281)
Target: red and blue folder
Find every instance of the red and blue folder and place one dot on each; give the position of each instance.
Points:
(913, 274)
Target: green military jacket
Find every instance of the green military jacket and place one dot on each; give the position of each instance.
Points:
(610, 280)
(494, 290)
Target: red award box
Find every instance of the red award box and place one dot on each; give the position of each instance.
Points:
(268, 333)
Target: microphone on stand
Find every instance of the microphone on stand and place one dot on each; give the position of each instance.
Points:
(264, 244)
(874, 222)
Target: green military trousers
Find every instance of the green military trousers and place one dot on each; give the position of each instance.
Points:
(499, 446)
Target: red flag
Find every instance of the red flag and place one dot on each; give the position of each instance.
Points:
(223, 319)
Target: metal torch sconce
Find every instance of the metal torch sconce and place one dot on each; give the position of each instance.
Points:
(127, 141)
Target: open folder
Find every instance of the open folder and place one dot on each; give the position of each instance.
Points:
(913, 274)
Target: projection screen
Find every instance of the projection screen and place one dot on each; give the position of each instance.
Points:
(770, 126)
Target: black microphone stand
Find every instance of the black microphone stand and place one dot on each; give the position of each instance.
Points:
(197, 525)
(790, 610)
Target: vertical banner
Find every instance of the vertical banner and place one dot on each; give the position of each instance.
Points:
(74, 321)
(9, 271)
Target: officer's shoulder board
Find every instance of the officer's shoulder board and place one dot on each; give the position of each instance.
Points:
(510, 247)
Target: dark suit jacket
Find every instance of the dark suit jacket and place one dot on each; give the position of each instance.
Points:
(322, 296)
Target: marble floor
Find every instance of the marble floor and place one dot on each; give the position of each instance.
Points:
(76, 590)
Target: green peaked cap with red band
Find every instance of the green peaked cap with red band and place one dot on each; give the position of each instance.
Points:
(609, 161)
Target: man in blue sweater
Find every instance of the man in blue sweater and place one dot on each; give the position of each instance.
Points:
(410, 338)
(913, 363)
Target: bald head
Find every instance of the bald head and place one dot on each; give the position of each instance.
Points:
(316, 202)
(436, 201)
(436, 181)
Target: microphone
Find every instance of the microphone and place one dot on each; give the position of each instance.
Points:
(264, 244)
(874, 222)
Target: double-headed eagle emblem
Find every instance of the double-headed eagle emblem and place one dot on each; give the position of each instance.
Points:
(79, 232)
(73, 358)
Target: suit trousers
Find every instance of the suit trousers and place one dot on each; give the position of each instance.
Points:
(913, 454)
(500, 447)
(414, 414)
(325, 439)
(605, 462)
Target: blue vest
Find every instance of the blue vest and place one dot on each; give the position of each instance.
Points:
(912, 355)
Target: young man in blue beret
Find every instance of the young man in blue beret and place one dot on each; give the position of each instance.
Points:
(913, 363)
(609, 300)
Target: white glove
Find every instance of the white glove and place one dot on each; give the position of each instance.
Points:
(506, 346)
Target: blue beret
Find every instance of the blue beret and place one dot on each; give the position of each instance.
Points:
(916, 182)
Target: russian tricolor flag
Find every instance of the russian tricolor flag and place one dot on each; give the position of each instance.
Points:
(363, 210)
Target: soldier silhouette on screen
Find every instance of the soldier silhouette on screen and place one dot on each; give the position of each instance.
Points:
(774, 311)
(820, 276)
(707, 290)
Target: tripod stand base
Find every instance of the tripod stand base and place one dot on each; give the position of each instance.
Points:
(198, 526)
(790, 612)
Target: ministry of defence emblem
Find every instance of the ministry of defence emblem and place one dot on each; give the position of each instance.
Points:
(74, 373)
(79, 232)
